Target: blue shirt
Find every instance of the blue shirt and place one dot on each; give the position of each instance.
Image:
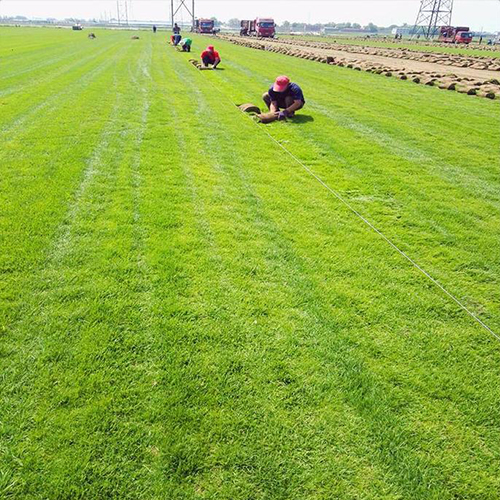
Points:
(293, 90)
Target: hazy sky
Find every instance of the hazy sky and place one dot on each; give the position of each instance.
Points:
(474, 13)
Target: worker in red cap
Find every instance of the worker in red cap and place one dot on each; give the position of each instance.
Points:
(286, 96)
(210, 57)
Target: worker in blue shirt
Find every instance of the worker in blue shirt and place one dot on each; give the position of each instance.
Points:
(284, 98)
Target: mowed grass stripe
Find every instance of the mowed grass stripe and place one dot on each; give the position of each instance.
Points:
(41, 64)
(44, 187)
(25, 108)
(18, 42)
(227, 336)
(100, 228)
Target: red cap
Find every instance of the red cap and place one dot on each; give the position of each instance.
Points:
(211, 48)
(281, 83)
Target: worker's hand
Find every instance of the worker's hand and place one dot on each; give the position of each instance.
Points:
(282, 115)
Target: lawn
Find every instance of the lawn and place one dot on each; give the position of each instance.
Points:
(187, 313)
(471, 50)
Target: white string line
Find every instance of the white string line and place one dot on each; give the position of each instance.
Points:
(367, 222)
(382, 235)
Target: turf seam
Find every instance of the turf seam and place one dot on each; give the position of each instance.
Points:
(366, 221)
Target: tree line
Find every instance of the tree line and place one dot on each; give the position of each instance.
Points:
(288, 26)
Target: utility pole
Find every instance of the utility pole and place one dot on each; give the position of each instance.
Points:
(432, 15)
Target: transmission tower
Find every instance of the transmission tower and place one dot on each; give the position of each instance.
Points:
(432, 15)
(122, 8)
(178, 6)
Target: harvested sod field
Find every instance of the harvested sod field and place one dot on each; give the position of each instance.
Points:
(473, 49)
(187, 313)
(465, 75)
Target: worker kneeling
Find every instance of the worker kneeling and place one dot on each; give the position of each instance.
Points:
(210, 57)
(185, 43)
(284, 95)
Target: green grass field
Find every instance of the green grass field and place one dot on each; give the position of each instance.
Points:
(471, 50)
(187, 313)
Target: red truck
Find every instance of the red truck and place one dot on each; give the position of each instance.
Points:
(451, 34)
(261, 27)
(206, 26)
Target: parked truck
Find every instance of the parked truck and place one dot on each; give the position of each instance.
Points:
(451, 34)
(261, 27)
(206, 26)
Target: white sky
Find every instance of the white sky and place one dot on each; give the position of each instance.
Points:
(474, 13)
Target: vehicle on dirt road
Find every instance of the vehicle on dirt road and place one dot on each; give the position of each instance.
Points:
(260, 27)
(205, 26)
(450, 34)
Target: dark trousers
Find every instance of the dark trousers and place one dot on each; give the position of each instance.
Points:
(207, 61)
(186, 48)
(283, 102)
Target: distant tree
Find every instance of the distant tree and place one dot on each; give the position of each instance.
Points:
(356, 26)
(342, 26)
(234, 23)
(217, 23)
(285, 26)
(371, 28)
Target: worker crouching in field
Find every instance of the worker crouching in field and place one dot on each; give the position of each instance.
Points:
(210, 57)
(185, 44)
(286, 96)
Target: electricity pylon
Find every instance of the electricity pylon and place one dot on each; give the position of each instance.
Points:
(177, 6)
(432, 14)
(122, 9)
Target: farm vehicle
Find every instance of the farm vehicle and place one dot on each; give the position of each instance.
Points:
(451, 34)
(204, 26)
(260, 27)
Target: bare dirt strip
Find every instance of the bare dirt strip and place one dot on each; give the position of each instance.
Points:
(446, 59)
(470, 80)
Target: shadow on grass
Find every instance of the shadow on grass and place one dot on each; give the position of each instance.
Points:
(301, 119)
